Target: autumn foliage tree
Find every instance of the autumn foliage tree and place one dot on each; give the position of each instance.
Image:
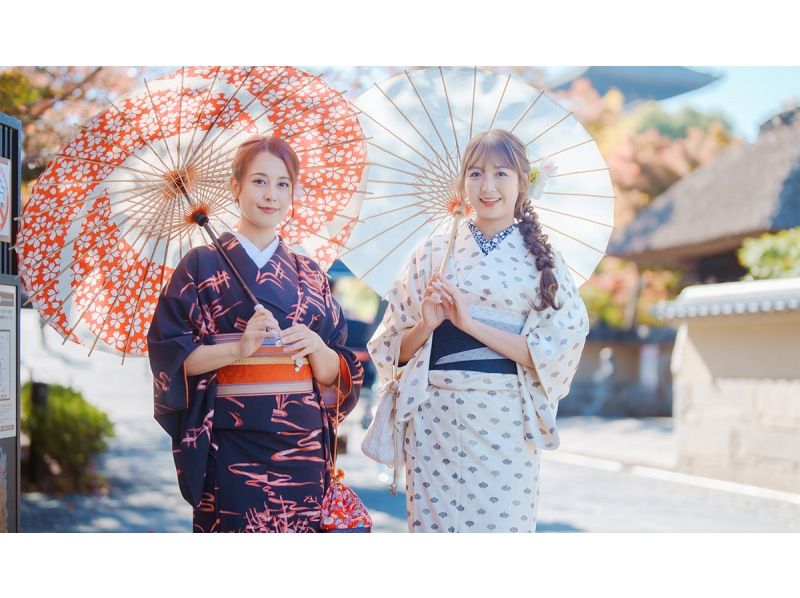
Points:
(53, 102)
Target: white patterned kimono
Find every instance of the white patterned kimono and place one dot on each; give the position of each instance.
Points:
(472, 439)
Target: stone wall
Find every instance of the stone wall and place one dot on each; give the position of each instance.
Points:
(736, 396)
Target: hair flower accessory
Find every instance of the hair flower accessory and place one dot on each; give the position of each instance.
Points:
(539, 176)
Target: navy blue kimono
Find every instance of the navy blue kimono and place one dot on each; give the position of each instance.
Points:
(256, 463)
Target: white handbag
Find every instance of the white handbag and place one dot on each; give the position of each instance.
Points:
(379, 443)
(383, 442)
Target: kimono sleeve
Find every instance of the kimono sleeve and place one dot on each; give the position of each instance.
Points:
(176, 330)
(556, 338)
(351, 374)
(403, 311)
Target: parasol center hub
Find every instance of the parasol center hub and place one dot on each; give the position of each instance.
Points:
(178, 183)
(458, 207)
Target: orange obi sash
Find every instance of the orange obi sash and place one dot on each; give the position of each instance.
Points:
(268, 371)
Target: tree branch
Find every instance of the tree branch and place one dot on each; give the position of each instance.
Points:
(44, 106)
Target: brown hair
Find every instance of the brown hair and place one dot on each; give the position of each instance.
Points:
(256, 144)
(511, 152)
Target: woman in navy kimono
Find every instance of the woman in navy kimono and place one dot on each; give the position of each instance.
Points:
(240, 389)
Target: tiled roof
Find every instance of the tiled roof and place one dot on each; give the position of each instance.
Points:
(777, 295)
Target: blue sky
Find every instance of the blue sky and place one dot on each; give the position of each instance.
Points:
(746, 95)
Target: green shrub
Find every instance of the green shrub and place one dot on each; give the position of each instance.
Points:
(65, 436)
(772, 255)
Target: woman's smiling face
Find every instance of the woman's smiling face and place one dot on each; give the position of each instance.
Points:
(265, 193)
(492, 189)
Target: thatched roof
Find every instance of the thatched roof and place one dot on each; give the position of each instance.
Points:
(749, 189)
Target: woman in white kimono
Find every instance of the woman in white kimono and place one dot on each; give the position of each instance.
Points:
(488, 349)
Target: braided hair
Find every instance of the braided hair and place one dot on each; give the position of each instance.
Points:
(510, 150)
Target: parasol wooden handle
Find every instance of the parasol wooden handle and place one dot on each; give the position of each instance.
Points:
(202, 221)
(450, 243)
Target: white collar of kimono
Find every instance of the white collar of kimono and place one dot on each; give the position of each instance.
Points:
(258, 256)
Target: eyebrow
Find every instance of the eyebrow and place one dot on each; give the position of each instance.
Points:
(265, 175)
(496, 167)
